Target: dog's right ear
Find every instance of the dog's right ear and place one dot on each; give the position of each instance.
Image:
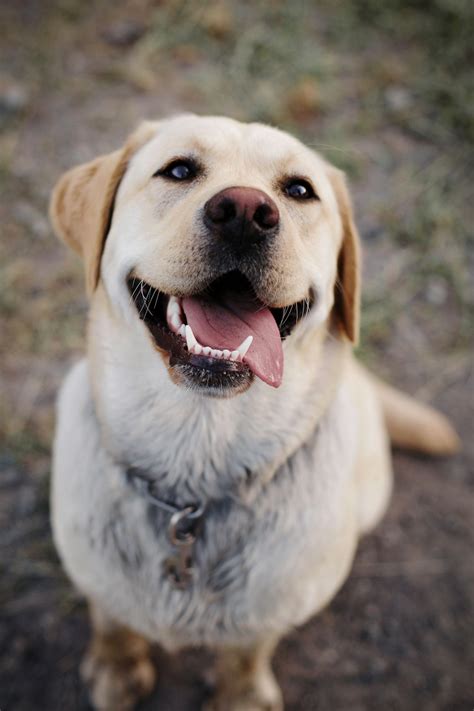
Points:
(82, 202)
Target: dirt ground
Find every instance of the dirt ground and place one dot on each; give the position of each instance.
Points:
(383, 93)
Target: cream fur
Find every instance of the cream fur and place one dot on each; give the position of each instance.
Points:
(316, 448)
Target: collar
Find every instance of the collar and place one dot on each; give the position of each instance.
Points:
(184, 527)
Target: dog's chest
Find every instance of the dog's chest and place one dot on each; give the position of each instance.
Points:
(256, 571)
(249, 566)
(258, 568)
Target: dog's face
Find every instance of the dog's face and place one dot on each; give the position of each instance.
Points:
(223, 238)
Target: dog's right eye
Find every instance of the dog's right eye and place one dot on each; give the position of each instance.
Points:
(179, 170)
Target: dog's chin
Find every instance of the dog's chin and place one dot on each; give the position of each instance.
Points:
(203, 376)
(202, 369)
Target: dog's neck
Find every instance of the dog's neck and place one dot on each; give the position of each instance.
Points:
(204, 447)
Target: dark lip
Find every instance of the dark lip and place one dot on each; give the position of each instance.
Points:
(204, 372)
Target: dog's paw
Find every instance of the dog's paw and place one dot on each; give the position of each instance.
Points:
(117, 685)
(263, 695)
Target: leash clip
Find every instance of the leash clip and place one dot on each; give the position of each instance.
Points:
(183, 530)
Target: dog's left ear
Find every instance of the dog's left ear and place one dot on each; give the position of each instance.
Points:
(347, 296)
(82, 202)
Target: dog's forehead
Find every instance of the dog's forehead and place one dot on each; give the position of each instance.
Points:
(223, 139)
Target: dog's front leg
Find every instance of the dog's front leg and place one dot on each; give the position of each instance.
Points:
(245, 681)
(117, 667)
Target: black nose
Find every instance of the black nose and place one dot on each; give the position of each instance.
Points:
(242, 216)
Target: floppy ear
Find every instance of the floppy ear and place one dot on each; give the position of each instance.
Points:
(82, 202)
(347, 296)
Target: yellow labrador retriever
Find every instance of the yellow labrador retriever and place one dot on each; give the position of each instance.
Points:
(218, 452)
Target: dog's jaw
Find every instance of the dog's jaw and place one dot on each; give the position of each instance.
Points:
(217, 341)
(137, 392)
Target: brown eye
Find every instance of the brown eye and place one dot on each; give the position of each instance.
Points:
(179, 170)
(299, 189)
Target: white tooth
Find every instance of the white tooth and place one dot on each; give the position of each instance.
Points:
(215, 353)
(171, 304)
(182, 330)
(244, 346)
(190, 338)
(197, 349)
(226, 354)
(206, 351)
(176, 321)
(173, 314)
(234, 355)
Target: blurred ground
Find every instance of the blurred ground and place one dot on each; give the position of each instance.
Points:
(385, 91)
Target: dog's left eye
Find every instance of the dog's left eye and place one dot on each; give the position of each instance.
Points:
(178, 170)
(299, 189)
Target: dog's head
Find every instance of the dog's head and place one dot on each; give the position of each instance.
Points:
(224, 238)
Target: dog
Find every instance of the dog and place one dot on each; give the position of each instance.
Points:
(219, 452)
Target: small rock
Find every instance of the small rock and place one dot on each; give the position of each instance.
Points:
(398, 98)
(13, 97)
(437, 291)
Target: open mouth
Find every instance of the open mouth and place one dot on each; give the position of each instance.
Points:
(221, 337)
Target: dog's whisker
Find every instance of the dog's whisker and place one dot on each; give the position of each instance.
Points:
(145, 297)
(286, 315)
(144, 304)
(155, 299)
(339, 149)
(142, 297)
(283, 317)
(134, 292)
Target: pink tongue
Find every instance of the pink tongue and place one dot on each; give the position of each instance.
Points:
(225, 324)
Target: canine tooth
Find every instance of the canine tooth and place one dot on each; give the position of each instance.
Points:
(176, 321)
(182, 330)
(244, 346)
(190, 337)
(226, 354)
(206, 351)
(173, 314)
(234, 355)
(173, 306)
